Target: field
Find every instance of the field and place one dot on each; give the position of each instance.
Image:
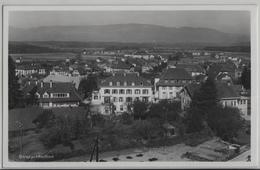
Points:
(44, 56)
(55, 56)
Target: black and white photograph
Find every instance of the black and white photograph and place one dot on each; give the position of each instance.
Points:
(118, 86)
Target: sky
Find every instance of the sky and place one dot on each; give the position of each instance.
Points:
(225, 21)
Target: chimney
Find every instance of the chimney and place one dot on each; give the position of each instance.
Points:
(51, 84)
(41, 84)
(36, 82)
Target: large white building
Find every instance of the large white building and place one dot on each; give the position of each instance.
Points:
(120, 90)
(171, 82)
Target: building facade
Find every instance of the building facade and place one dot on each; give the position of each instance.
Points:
(54, 94)
(120, 91)
(170, 83)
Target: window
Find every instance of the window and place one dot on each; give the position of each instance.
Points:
(110, 83)
(125, 83)
(60, 95)
(166, 81)
(120, 99)
(128, 91)
(95, 97)
(133, 83)
(107, 91)
(107, 110)
(107, 99)
(137, 91)
(141, 83)
(118, 83)
(114, 91)
(121, 91)
(145, 91)
(170, 88)
(145, 99)
(45, 95)
(121, 107)
(129, 99)
(183, 81)
(163, 88)
(115, 99)
(137, 98)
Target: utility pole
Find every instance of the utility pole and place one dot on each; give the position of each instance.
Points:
(20, 126)
(95, 148)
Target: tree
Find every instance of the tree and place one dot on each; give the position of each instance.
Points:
(32, 98)
(176, 57)
(86, 86)
(206, 98)
(139, 109)
(14, 95)
(225, 122)
(165, 110)
(194, 120)
(204, 101)
(246, 78)
(44, 119)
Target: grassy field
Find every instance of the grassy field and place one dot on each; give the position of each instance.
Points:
(44, 56)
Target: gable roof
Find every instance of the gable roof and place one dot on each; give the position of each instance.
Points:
(191, 67)
(57, 87)
(176, 74)
(226, 91)
(223, 90)
(192, 88)
(120, 65)
(63, 78)
(127, 78)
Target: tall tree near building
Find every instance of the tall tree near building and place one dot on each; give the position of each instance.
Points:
(139, 109)
(32, 98)
(225, 122)
(207, 97)
(13, 85)
(203, 102)
(246, 78)
(86, 86)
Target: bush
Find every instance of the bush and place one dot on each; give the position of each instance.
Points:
(144, 129)
(63, 131)
(126, 118)
(225, 122)
(44, 119)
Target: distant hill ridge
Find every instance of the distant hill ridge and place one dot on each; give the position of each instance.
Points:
(128, 33)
